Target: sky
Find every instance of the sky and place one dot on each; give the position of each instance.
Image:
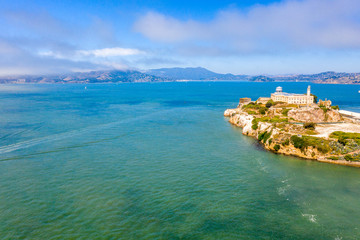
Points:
(239, 37)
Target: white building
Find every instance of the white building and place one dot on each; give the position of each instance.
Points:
(292, 98)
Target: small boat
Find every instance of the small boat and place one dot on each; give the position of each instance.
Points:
(359, 91)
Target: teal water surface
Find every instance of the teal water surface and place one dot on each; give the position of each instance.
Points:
(159, 161)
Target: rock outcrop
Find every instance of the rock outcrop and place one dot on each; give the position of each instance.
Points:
(315, 115)
(277, 139)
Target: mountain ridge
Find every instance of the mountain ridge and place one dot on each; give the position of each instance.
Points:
(178, 74)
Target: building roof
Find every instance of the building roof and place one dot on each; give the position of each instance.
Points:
(288, 94)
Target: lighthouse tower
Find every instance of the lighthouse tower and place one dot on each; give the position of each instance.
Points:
(308, 96)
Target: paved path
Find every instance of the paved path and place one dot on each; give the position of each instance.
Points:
(350, 114)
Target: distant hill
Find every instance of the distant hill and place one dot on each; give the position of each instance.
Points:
(113, 76)
(261, 79)
(324, 77)
(175, 74)
(193, 74)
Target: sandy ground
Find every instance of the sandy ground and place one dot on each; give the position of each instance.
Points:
(325, 129)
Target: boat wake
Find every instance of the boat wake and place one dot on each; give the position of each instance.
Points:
(73, 133)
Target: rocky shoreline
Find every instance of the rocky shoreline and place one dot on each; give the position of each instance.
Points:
(287, 135)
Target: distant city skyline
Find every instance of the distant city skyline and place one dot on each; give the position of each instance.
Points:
(239, 37)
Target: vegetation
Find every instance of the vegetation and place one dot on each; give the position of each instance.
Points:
(251, 112)
(304, 142)
(325, 109)
(264, 136)
(262, 111)
(309, 126)
(252, 105)
(269, 103)
(315, 97)
(252, 108)
(286, 142)
(311, 132)
(335, 107)
(348, 157)
(255, 123)
(285, 111)
(275, 119)
(343, 136)
(277, 147)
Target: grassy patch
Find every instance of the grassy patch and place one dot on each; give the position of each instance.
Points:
(285, 111)
(251, 112)
(343, 136)
(310, 132)
(275, 119)
(322, 145)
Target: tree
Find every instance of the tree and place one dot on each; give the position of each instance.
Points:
(315, 97)
(269, 104)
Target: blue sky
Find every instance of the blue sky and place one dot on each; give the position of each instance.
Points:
(241, 37)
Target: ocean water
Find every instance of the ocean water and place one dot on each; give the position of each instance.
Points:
(159, 161)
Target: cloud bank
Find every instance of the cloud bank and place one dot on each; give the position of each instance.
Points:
(284, 26)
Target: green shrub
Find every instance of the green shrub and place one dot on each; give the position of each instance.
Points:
(262, 110)
(323, 108)
(298, 142)
(251, 112)
(254, 124)
(264, 136)
(348, 157)
(269, 104)
(270, 141)
(277, 147)
(252, 105)
(342, 140)
(285, 111)
(335, 107)
(322, 145)
(315, 98)
(310, 126)
(334, 158)
(261, 136)
(267, 136)
(286, 142)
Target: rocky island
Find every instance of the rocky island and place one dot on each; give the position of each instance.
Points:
(299, 125)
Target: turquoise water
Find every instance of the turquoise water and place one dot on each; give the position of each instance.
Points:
(159, 161)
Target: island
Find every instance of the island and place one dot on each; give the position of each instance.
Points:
(300, 125)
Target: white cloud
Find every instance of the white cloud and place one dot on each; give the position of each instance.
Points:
(288, 25)
(110, 52)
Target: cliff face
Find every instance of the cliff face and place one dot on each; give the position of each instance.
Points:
(244, 120)
(315, 115)
(277, 139)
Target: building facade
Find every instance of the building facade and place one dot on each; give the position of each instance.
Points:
(292, 98)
